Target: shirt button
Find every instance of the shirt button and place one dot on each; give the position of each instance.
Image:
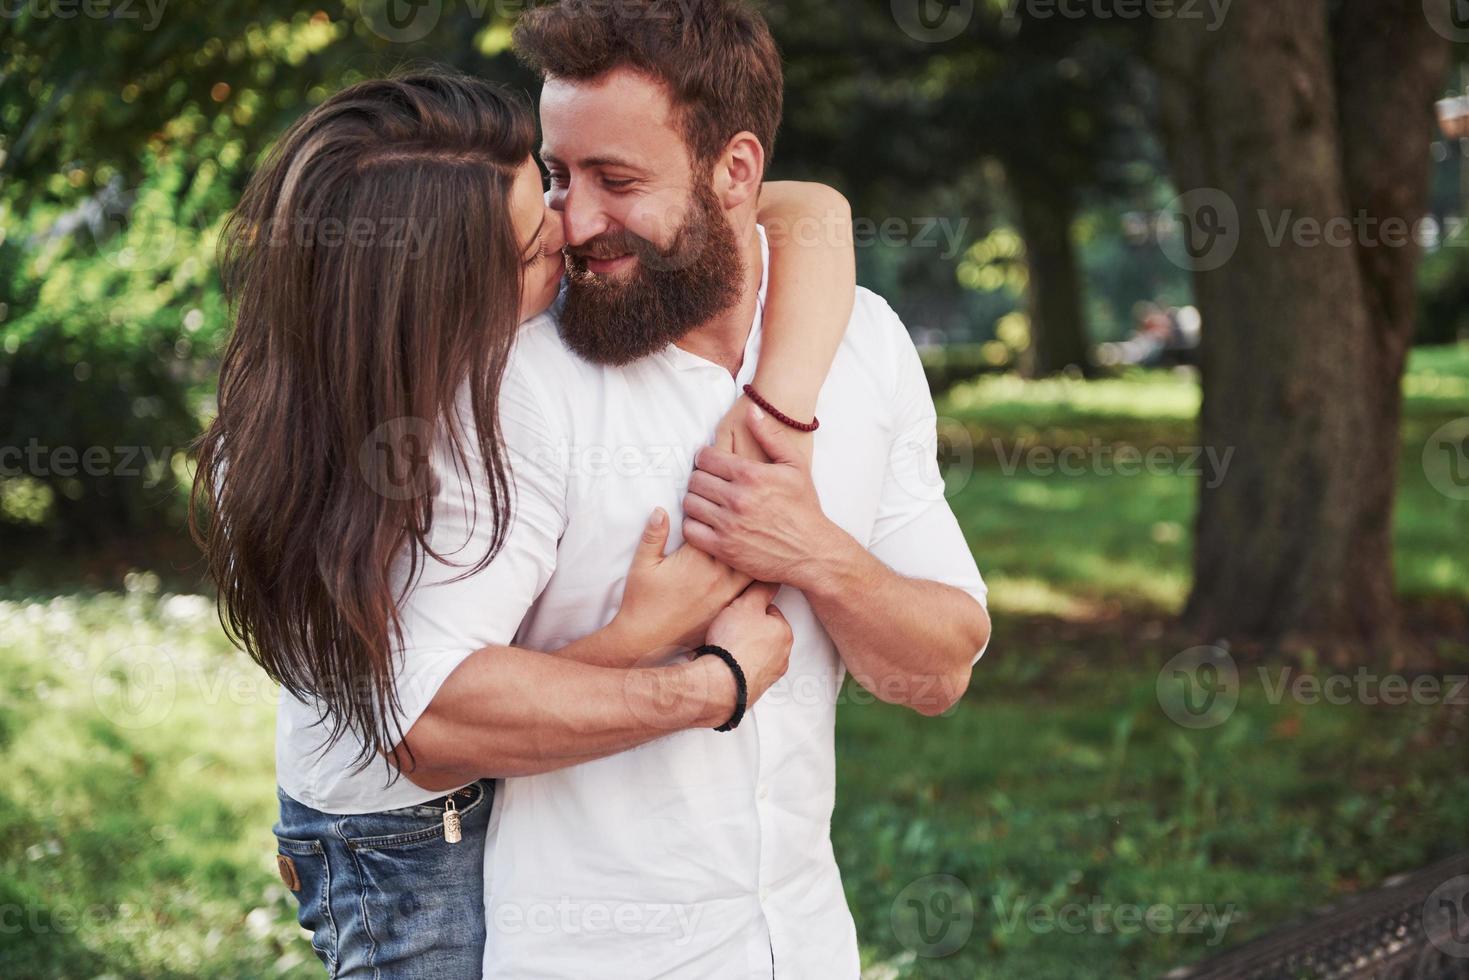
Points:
(764, 893)
(764, 792)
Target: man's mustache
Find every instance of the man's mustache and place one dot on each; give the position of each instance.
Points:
(612, 245)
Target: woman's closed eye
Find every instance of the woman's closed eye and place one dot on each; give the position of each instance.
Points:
(537, 253)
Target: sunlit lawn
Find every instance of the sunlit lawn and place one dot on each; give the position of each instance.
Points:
(1060, 792)
(136, 806)
(1055, 542)
(137, 800)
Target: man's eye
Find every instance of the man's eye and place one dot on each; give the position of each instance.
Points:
(558, 180)
(616, 185)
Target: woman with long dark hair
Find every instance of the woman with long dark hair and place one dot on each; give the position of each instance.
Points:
(378, 265)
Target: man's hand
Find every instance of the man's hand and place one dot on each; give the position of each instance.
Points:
(670, 600)
(762, 518)
(734, 434)
(757, 635)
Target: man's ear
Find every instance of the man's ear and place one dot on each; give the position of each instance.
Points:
(739, 171)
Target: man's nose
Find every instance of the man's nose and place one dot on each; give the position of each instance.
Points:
(582, 219)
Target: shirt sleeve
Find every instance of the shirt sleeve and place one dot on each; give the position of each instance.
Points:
(915, 533)
(449, 611)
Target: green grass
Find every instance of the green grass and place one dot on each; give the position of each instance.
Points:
(1062, 788)
(136, 808)
(1079, 544)
(138, 797)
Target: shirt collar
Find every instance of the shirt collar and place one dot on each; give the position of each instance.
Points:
(684, 361)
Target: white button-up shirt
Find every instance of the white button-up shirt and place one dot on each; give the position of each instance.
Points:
(701, 854)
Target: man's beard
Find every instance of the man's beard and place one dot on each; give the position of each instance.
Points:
(619, 319)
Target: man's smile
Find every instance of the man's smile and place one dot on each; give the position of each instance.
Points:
(606, 267)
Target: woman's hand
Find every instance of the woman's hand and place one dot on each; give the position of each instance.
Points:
(734, 435)
(671, 600)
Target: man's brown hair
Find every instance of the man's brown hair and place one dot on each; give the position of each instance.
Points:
(716, 57)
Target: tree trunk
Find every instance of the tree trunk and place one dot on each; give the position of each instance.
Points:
(1294, 542)
(1390, 66)
(1057, 326)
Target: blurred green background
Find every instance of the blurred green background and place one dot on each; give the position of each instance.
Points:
(1016, 190)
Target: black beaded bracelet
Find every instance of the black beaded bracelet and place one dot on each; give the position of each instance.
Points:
(742, 692)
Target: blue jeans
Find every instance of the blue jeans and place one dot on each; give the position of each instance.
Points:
(383, 894)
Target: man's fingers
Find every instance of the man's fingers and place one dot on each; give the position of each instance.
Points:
(710, 487)
(704, 511)
(654, 539)
(723, 464)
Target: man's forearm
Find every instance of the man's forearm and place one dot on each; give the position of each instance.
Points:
(907, 641)
(512, 712)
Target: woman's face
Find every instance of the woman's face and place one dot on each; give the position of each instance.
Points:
(538, 230)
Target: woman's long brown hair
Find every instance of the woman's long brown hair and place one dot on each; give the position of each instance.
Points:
(374, 275)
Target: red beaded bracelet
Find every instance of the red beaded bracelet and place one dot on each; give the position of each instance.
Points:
(780, 416)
